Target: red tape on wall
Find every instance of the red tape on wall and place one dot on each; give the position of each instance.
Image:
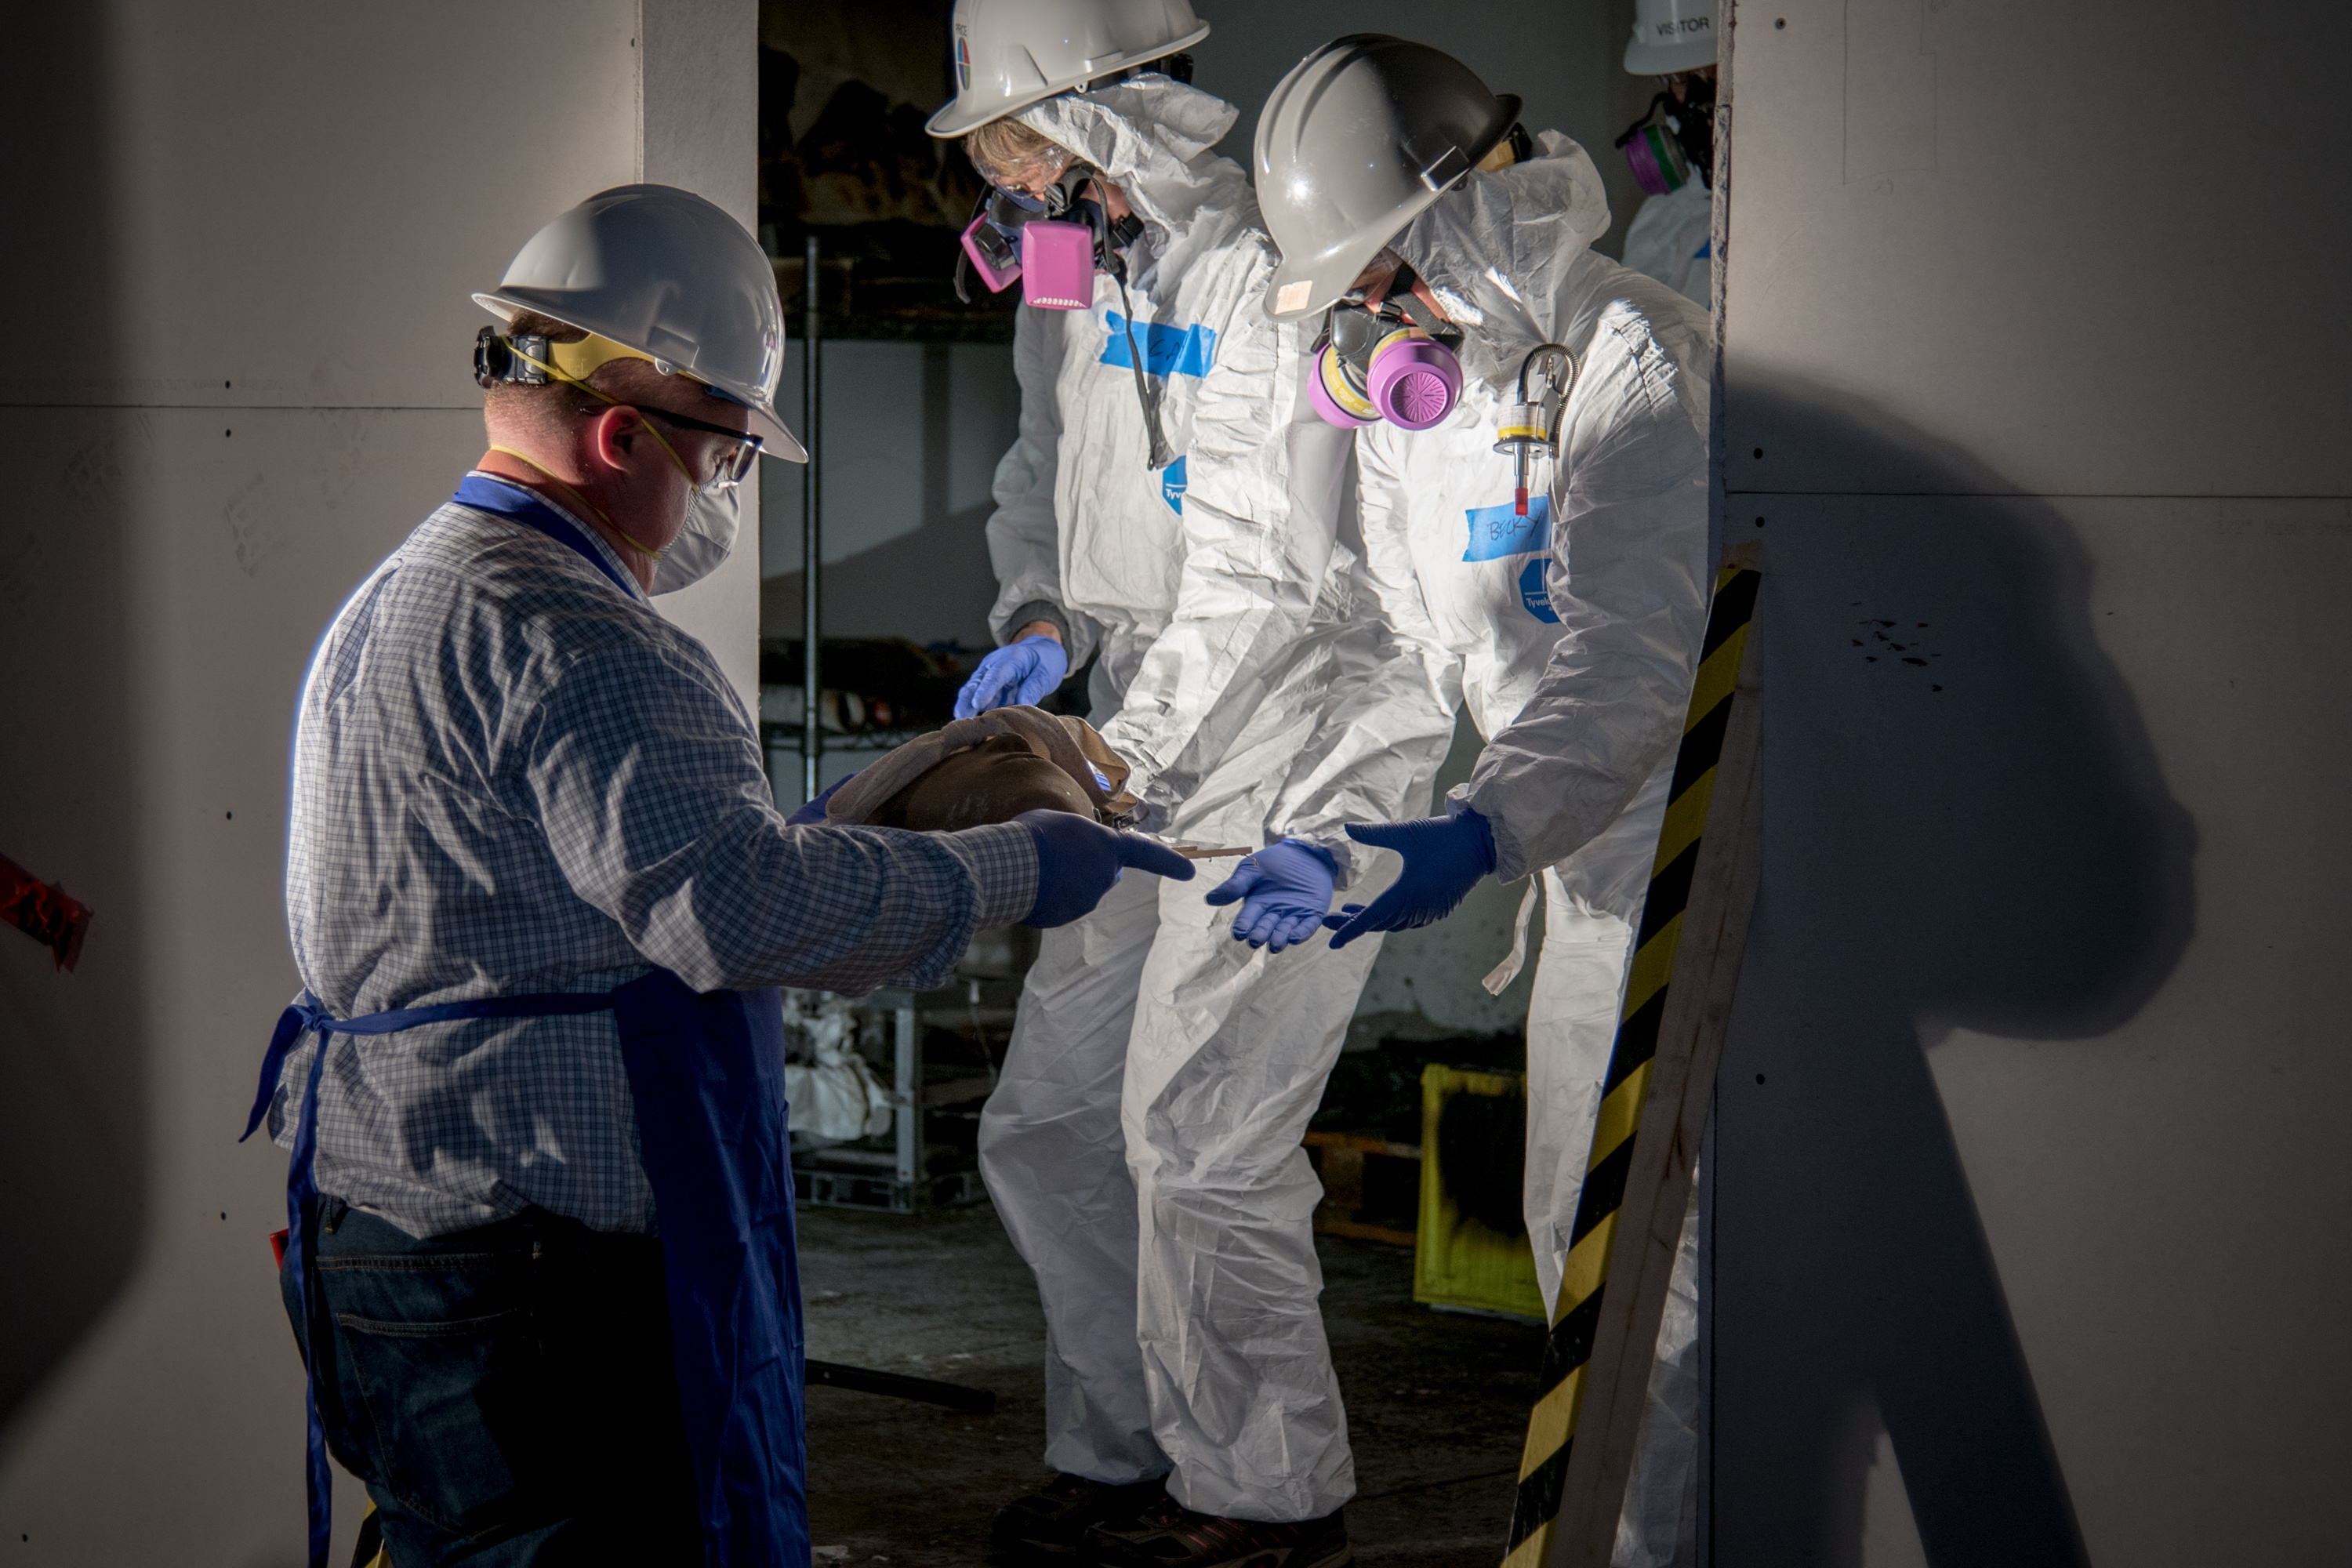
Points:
(43, 912)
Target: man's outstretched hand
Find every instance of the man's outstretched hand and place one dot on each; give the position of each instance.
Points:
(1077, 862)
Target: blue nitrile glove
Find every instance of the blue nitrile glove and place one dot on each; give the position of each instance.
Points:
(1077, 860)
(1020, 672)
(1285, 890)
(1443, 858)
(812, 811)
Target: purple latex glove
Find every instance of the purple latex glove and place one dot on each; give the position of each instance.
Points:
(1021, 672)
(1285, 891)
(1079, 859)
(812, 813)
(1445, 857)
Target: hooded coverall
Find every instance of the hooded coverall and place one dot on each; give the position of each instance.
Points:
(1572, 633)
(1148, 1162)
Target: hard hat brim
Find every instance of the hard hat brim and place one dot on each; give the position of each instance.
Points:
(1332, 274)
(1666, 59)
(776, 439)
(958, 117)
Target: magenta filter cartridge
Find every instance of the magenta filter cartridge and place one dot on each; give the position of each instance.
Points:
(993, 256)
(1057, 265)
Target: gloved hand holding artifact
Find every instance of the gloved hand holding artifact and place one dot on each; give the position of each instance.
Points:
(1021, 672)
(1015, 764)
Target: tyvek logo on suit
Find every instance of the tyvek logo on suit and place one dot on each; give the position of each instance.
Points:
(1171, 486)
(1535, 592)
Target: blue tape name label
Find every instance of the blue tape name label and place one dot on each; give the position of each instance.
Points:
(1167, 351)
(1499, 531)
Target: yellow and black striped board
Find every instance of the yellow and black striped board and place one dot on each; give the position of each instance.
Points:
(1568, 1352)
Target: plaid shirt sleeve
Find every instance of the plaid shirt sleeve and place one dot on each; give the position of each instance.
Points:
(647, 784)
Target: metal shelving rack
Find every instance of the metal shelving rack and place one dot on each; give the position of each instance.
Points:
(902, 1179)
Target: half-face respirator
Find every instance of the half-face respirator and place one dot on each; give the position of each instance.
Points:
(1054, 243)
(1391, 357)
(1674, 137)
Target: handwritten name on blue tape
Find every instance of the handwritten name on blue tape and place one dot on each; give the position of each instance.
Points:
(1167, 351)
(1497, 531)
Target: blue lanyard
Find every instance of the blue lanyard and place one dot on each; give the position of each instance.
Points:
(504, 498)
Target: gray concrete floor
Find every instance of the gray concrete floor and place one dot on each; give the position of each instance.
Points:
(1437, 1403)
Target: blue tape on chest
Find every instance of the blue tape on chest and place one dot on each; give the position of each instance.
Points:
(1167, 351)
(1498, 530)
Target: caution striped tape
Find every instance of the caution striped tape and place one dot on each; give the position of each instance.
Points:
(1543, 1465)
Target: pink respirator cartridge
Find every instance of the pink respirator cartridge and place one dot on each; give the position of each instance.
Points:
(1055, 261)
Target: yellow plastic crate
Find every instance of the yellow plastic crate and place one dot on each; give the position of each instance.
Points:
(1457, 1261)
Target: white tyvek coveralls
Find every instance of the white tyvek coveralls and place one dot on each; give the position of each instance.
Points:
(1573, 641)
(1671, 240)
(1146, 1163)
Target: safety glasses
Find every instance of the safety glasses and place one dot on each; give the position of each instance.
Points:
(735, 463)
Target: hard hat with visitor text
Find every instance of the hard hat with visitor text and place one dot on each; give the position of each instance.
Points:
(1009, 54)
(1671, 35)
(1355, 143)
(671, 276)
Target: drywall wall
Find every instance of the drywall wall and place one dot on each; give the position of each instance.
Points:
(243, 251)
(2027, 1167)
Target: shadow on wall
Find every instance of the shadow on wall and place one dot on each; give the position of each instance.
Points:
(1966, 828)
(73, 1090)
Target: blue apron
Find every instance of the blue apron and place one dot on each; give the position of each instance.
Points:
(706, 1075)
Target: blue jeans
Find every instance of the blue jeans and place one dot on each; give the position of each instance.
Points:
(506, 1393)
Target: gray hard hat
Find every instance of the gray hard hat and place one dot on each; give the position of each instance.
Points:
(1355, 142)
(1009, 54)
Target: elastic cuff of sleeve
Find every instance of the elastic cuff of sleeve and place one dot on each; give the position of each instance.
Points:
(1341, 848)
(1510, 856)
(1039, 610)
(1002, 860)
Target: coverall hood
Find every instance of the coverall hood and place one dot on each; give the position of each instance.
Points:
(1497, 251)
(1152, 136)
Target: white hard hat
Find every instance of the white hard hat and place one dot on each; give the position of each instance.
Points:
(669, 274)
(1355, 143)
(1009, 54)
(1671, 35)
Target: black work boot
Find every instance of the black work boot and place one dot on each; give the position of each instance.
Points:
(1052, 1521)
(1174, 1536)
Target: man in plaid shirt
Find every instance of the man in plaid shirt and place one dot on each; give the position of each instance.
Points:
(540, 1263)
